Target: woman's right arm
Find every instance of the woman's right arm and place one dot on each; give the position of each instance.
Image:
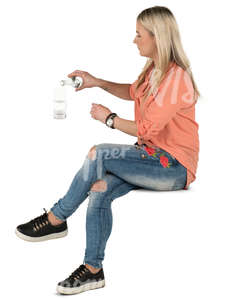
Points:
(120, 90)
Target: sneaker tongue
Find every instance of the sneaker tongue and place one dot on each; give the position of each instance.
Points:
(82, 269)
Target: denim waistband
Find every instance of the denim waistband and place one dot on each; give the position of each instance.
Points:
(154, 147)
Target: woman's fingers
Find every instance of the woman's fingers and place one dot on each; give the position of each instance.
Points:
(76, 72)
(88, 80)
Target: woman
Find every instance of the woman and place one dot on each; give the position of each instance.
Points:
(164, 157)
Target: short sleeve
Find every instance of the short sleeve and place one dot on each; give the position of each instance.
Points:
(175, 93)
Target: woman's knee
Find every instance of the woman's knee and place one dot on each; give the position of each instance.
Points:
(99, 195)
(99, 186)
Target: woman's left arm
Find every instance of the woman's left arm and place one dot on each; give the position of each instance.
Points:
(125, 126)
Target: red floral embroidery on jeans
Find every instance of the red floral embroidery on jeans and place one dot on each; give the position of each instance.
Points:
(164, 161)
(150, 151)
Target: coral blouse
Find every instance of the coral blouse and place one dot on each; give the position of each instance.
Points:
(167, 118)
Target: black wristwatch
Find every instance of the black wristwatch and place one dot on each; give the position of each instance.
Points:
(109, 120)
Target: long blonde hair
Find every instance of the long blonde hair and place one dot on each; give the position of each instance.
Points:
(160, 22)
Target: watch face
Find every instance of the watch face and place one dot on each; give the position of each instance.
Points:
(109, 122)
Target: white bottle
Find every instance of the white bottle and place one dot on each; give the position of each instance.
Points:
(60, 103)
(75, 81)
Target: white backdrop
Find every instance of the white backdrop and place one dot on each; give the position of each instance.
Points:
(163, 245)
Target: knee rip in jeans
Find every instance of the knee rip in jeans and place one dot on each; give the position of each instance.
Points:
(99, 186)
(92, 153)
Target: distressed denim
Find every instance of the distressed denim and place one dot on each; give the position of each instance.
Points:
(123, 168)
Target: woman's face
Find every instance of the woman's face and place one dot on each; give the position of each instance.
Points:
(145, 42)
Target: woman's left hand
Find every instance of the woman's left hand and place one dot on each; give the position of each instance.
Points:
(99, 112)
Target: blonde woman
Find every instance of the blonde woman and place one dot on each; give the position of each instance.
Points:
(164, 157)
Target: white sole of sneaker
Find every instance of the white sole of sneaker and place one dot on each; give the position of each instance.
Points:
(80, 289)
(43, 238)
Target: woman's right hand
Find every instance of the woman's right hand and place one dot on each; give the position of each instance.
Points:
(88, 80)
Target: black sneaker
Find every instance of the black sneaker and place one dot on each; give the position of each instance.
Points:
(40, 229)
(81, 280)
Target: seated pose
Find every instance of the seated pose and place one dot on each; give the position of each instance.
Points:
(164, 156)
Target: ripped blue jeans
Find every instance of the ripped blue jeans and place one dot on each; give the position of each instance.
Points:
(123, 168)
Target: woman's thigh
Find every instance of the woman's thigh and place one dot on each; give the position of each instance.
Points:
(133, 164)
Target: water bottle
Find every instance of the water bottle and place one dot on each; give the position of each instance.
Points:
(75, 81)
